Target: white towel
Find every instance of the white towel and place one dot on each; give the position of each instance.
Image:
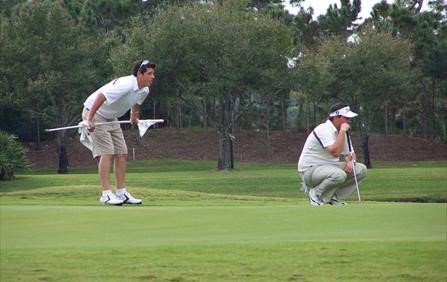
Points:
(86, 138)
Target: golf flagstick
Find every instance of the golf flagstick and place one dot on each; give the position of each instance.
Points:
(143, 125)
(353, 165)
(86, 139)
(84, 124)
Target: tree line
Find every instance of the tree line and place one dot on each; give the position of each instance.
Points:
(227, 65)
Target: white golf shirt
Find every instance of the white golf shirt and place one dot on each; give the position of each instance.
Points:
(314, 152)
(121, 94)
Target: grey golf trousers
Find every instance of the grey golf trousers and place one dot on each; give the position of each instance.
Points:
(330, 180)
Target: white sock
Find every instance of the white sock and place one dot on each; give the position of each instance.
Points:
(105, 192)
(120, 191)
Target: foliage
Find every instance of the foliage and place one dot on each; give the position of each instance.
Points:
(213, 61)
(219, 53)
(49, 64)
(12, 156)
(368, 73)
(427, 32)
(339, 21)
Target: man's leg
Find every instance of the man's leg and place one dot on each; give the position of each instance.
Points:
(325, 179)
(120, 175)
(104, 165)
(120, 170)
(345, 191)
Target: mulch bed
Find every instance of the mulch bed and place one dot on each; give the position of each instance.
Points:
(249, 146)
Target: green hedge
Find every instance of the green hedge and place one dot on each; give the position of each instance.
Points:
(12, 156)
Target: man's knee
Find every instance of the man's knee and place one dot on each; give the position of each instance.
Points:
(338, 176)
(360, 171)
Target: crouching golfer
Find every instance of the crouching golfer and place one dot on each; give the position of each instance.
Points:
(326, 164)
(106, 104)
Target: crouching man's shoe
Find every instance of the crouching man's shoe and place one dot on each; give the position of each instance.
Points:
(336, 202)
(314, 200)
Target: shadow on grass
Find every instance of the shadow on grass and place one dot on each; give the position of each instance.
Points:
(415, 200)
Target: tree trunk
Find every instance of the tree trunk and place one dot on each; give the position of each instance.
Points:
(309, 124)
(38, 133)
(153, 108)
(404, 122)
(178, 113)
(230, 137)
(364, 137)
(385, 119)
(225, 159)
(62, 151)
(283, 113)
(301, 117)
(424, 117)
(266, 118)
(433, 108)
(365, 147)
(205, 110)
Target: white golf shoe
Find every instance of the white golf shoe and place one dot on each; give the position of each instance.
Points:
(314, 200)
(127, 198)
(110, 199)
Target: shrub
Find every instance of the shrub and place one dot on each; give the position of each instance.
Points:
(12, 156)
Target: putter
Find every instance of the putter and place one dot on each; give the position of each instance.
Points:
(353, 165)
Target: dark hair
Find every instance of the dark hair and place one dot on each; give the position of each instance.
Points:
(137, 67)
(336, 106)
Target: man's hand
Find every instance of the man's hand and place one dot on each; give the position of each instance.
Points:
(350, 157)
(348, 167)
(345, 127)
(133, 118)
(91, 125)
(100, 99)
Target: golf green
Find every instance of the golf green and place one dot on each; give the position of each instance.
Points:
(81, 226)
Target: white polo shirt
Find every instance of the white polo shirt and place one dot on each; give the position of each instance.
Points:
(314, 152)
(121, 94)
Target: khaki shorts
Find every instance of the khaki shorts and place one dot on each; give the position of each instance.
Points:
(107, 139)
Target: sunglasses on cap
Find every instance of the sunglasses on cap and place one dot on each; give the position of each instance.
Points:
(145, 63)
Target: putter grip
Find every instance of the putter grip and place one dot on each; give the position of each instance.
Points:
(348, 138)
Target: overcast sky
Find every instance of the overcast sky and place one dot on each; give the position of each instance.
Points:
(320, 6)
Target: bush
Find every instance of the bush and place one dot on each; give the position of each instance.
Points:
(12, 156)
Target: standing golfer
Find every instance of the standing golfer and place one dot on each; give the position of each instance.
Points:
(106, 104)
(326, 164)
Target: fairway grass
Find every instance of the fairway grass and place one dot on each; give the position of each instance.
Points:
(197, 224)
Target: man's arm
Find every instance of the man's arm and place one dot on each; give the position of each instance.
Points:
(100, 99)
(336, 148)
(134, 114)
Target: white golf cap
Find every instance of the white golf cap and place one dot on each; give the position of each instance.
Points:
(346, 112)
